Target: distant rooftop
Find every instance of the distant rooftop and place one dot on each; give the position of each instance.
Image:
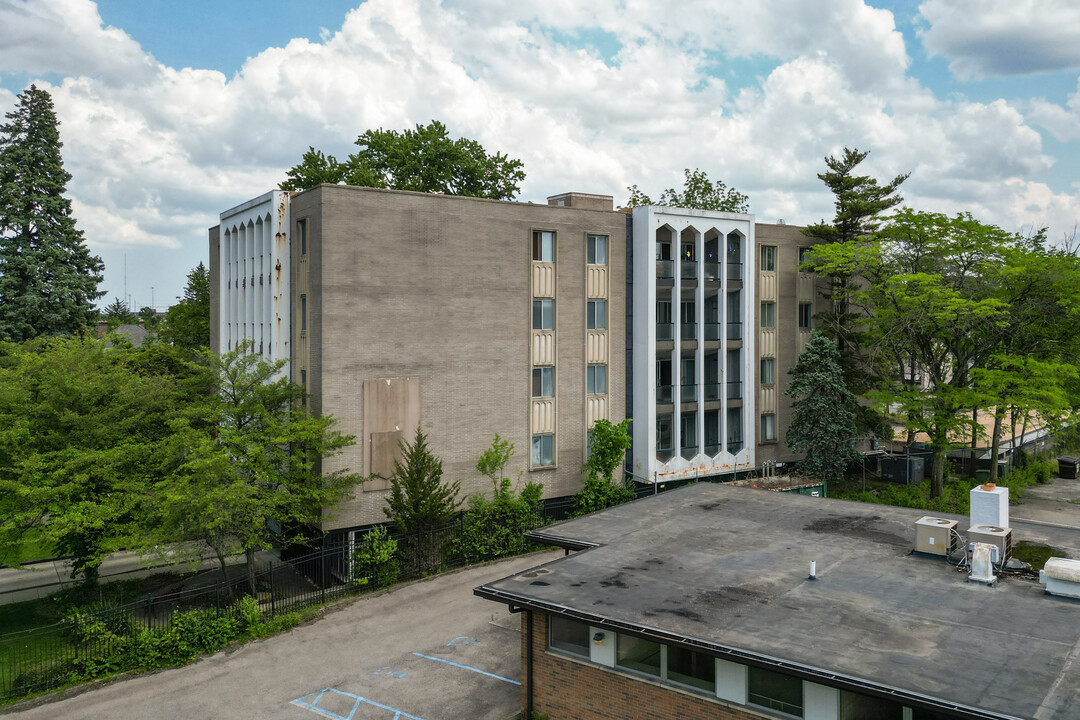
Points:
(726, 569)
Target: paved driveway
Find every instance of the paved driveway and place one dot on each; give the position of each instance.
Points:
(430, 650)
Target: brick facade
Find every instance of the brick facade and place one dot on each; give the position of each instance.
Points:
(569, 689)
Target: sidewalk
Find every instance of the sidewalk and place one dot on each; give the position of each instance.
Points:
(1056, 503)
(39, 579)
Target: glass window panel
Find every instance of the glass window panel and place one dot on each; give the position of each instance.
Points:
(543, 447)
(768, 427)
(543, 246)
(768, 315)
(691, 668)
(663, 311)
(568, 635)
(804, 255)
(596, 379)
(543, 382)
(597, 314)
(806, 313)
(597, 249)
(663, 432)
(775, 691)
(543, 314)
(768, 258)
(303, 312)
(637, 654)
(854, 706)
(768, 371)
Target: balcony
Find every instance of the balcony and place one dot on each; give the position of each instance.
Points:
(665, 332)
(712, 271)
(688, 268)
(688, 331)
(712, 392)
(734, 270)
(712, 331)
(687, 394)
(734, 330)
(713, 450)
(734, 390)
(688, 453)
(665, 268)
(664, 394)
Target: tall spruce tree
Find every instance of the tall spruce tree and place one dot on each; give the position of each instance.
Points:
(48, 278)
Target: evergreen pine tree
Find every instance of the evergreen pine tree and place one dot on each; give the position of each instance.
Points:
(188, 321)
(48, 278)
(823, 415)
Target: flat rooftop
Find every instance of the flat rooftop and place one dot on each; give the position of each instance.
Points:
(726, 568)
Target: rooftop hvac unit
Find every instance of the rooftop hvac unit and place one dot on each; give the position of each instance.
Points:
(990, 505)
(999, 537)
(935, 536)
(1061, 577)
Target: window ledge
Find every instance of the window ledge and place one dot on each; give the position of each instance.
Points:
(542, 468)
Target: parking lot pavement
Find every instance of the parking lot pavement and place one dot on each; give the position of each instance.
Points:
(429, 650)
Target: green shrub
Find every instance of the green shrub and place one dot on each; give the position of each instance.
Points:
(599, 493)
(496, 528)
(40, 678)
(374, 559)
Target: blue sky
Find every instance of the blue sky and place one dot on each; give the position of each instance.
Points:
(173, 112)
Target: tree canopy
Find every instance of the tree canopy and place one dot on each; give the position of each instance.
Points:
(187, 322)
(823, 412)
(48, 278)
(699, 193)
(424, 159)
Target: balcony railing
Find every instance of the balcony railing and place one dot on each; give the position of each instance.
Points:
(712, 331)
(734, 270)
(734, 330)
(664, 393)
(688, 393)
(688, 268)
(712, 391)
(688, 453)
(665, 268)
(713, 450)
(665, 331)
(734, 446)
(688, 331)
(734, 390)
(712, 270)
(664, 454)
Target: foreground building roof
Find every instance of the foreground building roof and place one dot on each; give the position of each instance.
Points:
(725, 570)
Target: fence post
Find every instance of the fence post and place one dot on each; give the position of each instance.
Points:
(270, 574)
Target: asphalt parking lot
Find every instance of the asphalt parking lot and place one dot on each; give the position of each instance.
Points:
(429, 650)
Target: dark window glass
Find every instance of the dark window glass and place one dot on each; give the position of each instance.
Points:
(301, 228)
(768, 314)
(568, 635)
(543, 450)
(768, 371)
(543, 382)
(690, 668)
(303, 312)
(768, 258)
(543, 315)
(596, 379)
(637, 654)
(804, 255)
(854, 706)
(775, 691)
(806, 314)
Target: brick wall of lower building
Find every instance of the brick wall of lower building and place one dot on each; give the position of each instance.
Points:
(567, 689)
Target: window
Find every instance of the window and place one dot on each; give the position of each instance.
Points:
(768, 427)
(691, 668)
(688, 430)
(775, 691)
(543, 382)
(543, 315)
(768, 314)
(687, 312)
(596, 379)
(597, 314)
(806, 315)
(303, 384)
(637, 654)
(597, 249)
(568, 635)
(689, 251)
(663, 311)
(543, 246)
(301, 230)
(768, 258)
(663, 250)
(854, 706)
(804, 256)
(543, 450)
(663, 432)
(303, 313)
(768, 371)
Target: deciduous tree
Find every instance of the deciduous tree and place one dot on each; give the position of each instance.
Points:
(48, 278)
(425, 159)
(699, 192)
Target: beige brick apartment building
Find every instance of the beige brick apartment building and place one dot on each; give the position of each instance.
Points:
(472, 317)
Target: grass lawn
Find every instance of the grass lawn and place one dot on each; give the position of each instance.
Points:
(32, 548)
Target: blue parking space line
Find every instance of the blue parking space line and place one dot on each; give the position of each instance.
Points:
(466, 667)
(302, 702)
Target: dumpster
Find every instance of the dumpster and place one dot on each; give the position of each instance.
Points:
(1067, 467)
